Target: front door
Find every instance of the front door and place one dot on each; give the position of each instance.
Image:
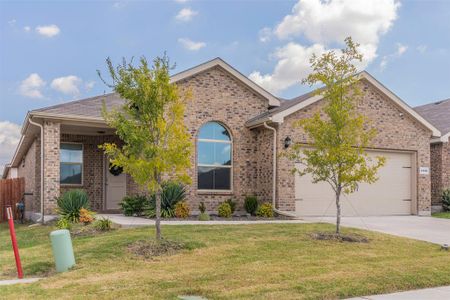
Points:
(116, 188)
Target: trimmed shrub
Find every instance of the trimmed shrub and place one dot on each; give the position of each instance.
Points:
(86, 216)
(134, 205)
(63, 223)
(70, 203)
(103, 224)
(265, 210)
(251, 204)
(446, 200)
(172, 193)
(204, 217)
(232, 205)
(224, 210)
(182, 210)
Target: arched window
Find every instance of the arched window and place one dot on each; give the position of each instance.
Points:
(214, 150)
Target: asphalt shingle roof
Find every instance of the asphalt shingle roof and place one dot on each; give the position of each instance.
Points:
(437, 113)
(89, 107)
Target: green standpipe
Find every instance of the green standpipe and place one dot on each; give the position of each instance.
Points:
(62, 250)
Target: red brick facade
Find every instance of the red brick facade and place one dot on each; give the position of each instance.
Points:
(440, 171)
(396, 131)
(219, 96)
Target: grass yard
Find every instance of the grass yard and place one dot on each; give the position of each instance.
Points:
(275, 261)
(444, 215)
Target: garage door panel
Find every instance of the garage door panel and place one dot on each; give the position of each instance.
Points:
(390, 195)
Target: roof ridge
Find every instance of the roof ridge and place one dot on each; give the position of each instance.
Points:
(434, 102)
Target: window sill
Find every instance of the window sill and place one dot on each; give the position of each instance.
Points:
(214, 192)
(70, 185)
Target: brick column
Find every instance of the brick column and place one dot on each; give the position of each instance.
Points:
(51, 141)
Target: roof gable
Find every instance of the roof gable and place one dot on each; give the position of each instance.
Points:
(278, 114)
(218, 62)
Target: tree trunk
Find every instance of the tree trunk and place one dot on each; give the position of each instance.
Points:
(338, 211)
(158, 215)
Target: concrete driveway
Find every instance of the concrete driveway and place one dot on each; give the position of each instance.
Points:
(427, 229)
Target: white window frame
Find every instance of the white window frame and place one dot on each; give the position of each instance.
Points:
(230, 142)
(67, 163)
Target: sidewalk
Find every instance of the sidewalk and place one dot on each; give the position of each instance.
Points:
(438, 293)
(129, 222)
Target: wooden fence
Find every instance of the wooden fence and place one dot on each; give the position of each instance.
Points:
(11, 192)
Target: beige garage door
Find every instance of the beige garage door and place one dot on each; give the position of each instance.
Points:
(391, 195)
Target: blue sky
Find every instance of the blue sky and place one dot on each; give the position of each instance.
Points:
(50, 51)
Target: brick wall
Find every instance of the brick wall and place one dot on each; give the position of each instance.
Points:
(446, 165)
(436, 173)
(440, 171)
(27, 169)
(396, 131)
(264, 167)
(51, 165)
(218, 96)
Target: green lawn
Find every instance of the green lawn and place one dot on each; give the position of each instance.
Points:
(276, 261)
(444, 215)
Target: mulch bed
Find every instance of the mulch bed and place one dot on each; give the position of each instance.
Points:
(331, 236)
(233, 218)
(87, 231)
(149, 249)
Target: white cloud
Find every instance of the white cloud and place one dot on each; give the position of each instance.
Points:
(118, 5)
(292, 66)
(181, 1)
(32, 86)
(265, 34)
(48, 30)
(27, 28)
(12, 22)
(67, 84)
(422, 48)
(191, 45)
(89, 85)
(325, 23)
(401, 49)
(186, 14)
(9, 138)
(333, 21)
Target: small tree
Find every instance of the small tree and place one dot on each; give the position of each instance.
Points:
(338, 141)
(156, 143)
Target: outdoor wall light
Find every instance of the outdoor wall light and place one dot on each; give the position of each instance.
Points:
(287, 142)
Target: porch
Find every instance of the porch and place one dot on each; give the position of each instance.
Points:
(73, 160)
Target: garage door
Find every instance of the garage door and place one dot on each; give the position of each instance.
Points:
(390, 195)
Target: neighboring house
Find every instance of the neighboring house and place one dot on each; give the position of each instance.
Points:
(235, 126)
(438, 114)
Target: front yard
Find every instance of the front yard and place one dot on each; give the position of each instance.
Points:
(444, 215)
(278, 261)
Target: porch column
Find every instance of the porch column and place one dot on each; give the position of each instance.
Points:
(52, 137)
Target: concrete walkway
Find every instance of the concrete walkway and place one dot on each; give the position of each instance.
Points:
(125, 221)
(17, 281)
(429, 229)
(439, 293)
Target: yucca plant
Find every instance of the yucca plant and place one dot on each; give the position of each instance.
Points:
(172, 193)
(70, 203)
(446, 200)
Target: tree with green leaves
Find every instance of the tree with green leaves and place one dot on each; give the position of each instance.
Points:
(337, 153)
(150, 123)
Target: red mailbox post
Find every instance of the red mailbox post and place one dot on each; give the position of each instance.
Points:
(14, 241)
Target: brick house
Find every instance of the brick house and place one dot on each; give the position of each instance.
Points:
(438, 114)
(238, 130)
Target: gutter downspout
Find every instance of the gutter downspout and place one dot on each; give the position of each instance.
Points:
(274, 174)
(42, 167)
